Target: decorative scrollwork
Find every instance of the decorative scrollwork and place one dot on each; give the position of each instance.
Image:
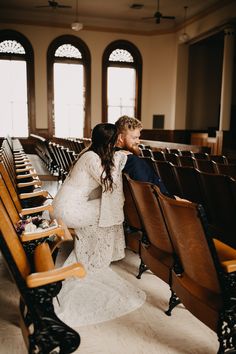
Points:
(121, 55)
(11, 47)
(68, 51)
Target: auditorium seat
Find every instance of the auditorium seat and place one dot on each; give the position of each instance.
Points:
(156, 251)
(206, 284)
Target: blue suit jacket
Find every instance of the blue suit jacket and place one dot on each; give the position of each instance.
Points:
(139, 170)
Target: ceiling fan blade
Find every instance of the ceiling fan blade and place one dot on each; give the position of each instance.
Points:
(148, 18)
(41, 6)
(168, 17)
(64, 6)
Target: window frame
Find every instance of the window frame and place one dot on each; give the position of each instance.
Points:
(86, 61)
(8, 34)
(137, 65)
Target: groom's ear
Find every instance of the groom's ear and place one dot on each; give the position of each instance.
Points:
(120, 139)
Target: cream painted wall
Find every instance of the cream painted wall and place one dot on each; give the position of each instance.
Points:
(162, 92)
(158, 54)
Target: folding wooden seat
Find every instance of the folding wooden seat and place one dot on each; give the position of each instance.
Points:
(159, 155)
(57, 234)
(227, 169)
(206, 284)
(220, 206)
(43, 151)
(146, 152)
(156, 251)
(38, 283)
(188, 161)
(187, 153)
(22, 175)
(191, 187)
(173, 158)
(35, 198)
(201, 155)
(208, 166)
(168, 175)
(173, 151)
(219, 159)
(132, 225)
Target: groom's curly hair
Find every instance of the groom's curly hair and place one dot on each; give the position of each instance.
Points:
(104, 137)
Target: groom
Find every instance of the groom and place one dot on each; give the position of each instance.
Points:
(128, 139)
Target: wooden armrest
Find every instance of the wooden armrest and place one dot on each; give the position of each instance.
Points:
(227, 256)
(34, 210)
(28, 168)
(45, 273)
(50, 231)
(225, 252)
(22, 164)
(33, 194)
(52, 276)
(32, 183)
(21, 158)
(72, 232)
(67, 236)
(27, 175)
(229, 266)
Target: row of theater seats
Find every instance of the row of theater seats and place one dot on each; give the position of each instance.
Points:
(58, 154)
(216, 192)
(176, 245)
(204, 162)
(29, 245)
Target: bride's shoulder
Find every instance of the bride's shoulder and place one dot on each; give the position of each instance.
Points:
(89, 156)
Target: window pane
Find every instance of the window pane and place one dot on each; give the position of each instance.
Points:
(121, 93)
(69, 100)
(13, 98)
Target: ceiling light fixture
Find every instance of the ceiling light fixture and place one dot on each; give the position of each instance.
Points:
(184, 37)
(77, 26)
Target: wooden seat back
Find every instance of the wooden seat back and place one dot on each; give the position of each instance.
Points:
(168, 175)
(11, 239)
(190, 242)
(188, 161)
(227, 169)
(190, 184)
(150, 214)
(156, 251)
(220, 205)
(208, 166)
(8, 202)
(133, 225)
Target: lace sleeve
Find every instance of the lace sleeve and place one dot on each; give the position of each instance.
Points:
(94, 167)
(120, 159)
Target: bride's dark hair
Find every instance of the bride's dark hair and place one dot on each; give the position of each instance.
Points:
(104, 136)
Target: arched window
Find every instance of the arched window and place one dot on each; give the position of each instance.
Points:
(17, 96)
(69, 73)
(121, 81)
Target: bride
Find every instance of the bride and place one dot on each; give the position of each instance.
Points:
(91, 201)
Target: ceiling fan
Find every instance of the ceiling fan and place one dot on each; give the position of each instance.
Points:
(54, 5)
(158, 15)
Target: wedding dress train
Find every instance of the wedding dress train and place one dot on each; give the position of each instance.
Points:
(98, 222)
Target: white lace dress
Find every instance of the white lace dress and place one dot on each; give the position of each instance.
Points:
(96, 217)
